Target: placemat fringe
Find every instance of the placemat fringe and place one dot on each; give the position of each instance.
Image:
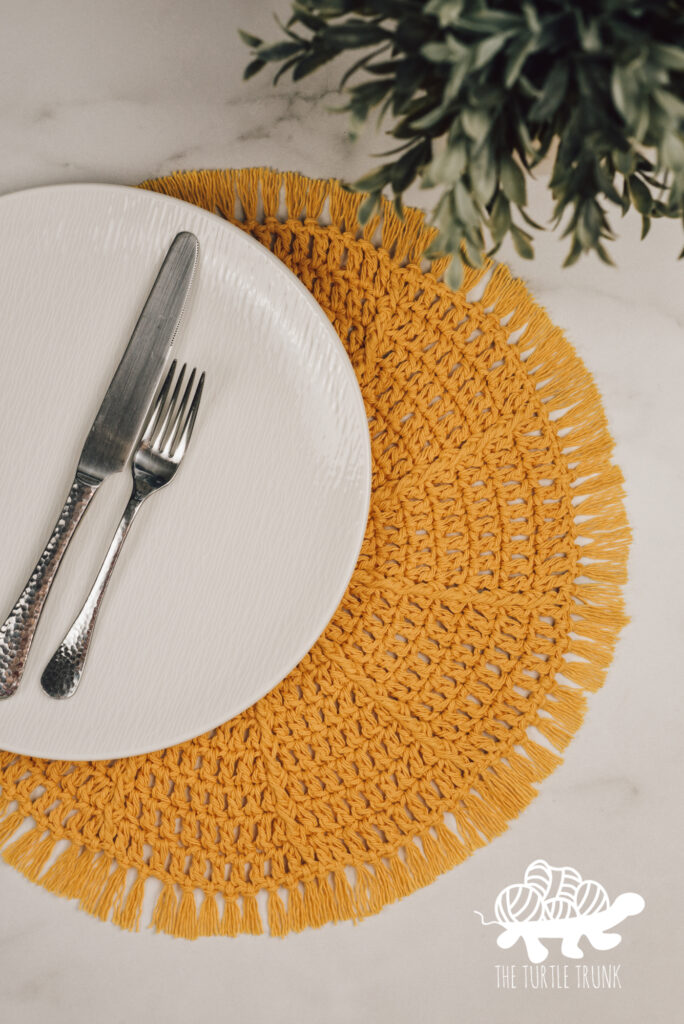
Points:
(99, 883)
(186, 925)
(30, 853)
(128, 916)
(209, 922)
(257, 194)
(164, 915)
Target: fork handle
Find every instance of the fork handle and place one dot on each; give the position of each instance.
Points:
(63, 672)
(16, 635)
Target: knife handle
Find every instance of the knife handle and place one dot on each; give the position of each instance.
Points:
(17, 632)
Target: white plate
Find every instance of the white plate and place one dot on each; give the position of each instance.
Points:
(228, 576)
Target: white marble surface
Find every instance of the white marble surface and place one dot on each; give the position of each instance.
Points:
(125, 91)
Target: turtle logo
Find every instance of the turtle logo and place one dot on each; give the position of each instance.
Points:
(557, 903)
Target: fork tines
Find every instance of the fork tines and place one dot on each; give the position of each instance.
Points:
(171, 422)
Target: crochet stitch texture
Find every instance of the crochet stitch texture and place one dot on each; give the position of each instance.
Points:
(485, 603)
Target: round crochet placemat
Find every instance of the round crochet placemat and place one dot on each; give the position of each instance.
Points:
(485, 603)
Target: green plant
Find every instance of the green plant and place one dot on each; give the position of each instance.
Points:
(478, 92)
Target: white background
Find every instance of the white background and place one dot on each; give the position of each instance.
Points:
(124, 91)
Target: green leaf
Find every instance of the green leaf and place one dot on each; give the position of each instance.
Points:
(366, 60)
(604, 183)
(407, 97)
(500, 217)
(522, 242)
(284, 68)
(303, 17)
(671, 104)
(623, 160)
(312, 62)
(483, 176)
(531, 18)
(626, 95)
(288, 31)
(448, 12)
(457, 76)
(552, 94)
(375, 181)
(488, 49)
(354, 33)
(406, 167)
(472, 253)
(279, 51)
(485, 20)
(436, 53)
(476, 123)
(641, 197)
(671, 57)
(464, 205)
(589, 223)
(528, 220)
(517, 58)
(513, 181)
(253, 67)
(532, 151)
(431, 119)
(640, 129)
(590, 36)
(370, 93)
(626, 197)
(453, 276)
(249, 40)
(672, 151)
(368, 207)
(574, 253)
(603, 255)
(448, 166)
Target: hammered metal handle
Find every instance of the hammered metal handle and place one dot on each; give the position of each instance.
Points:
(16, 635)
(63, 672)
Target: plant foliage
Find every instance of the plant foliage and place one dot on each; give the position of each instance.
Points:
(478, 92)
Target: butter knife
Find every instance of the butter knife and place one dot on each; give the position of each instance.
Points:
(109, 444)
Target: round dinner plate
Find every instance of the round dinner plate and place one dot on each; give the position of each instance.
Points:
(231, 573)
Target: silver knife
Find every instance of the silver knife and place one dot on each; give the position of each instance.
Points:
(109, 444)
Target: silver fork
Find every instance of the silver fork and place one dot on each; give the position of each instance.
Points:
(156, 459)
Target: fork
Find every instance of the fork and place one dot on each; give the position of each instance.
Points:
(158, 455)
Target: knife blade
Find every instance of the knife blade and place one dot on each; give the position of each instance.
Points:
(127, 402)
(109, 443)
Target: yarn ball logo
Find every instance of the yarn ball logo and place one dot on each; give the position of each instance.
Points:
(557, 903)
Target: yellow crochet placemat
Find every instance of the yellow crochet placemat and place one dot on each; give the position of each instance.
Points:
(485, 603)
